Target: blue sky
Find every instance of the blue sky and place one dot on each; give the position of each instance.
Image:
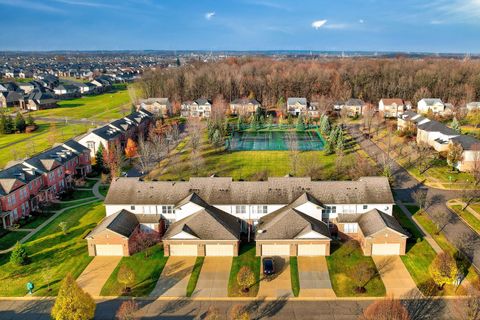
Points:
(372, 25)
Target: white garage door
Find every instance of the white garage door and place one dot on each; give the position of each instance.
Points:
(385, 249)
(311, 249)
(109, 249)
(275, 250)
(189, 250)
(219, 250)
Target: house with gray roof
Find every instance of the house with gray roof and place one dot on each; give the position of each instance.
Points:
(158, 106)
(435, 105)
(296, 106)
(200, 108)
(280, 211)
(244, 106)
(354, 107)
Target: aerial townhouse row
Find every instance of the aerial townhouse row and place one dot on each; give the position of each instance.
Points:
(207, 216)
(117, 132)
(28, 183)
(440, 137)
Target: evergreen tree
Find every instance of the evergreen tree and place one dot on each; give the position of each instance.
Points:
(290, 119)
(270, 123)
(133, 109)
(19, 255)
(99, 158)
(300, 123)
(217, 139)
(325, 125)
(340, 143)
(3, 123)
(72, 302)
(9, 126)
(328, 148)
(455, 125)
(30, 121)
(20, 123)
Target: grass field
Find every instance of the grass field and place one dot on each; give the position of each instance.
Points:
(294, 276)
(468, 217)
(147, 271)
(246, 257)
(52, 253)
(9, 239)
(341, 264)
(248, 165)
(102, 107)
(21, 145)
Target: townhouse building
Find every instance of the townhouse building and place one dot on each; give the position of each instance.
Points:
(200, 108)
(207, 216)
(28, 183)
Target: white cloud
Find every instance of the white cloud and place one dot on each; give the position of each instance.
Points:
(457, 10)
(31, 5)
(336, 26)
(209, 15)
(361, 21)
(318, 24)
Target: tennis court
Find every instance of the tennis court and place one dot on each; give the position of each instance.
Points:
(276, 140)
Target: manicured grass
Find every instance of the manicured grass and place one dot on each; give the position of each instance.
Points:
(78, 195)
(107, 106)
(419, 253)
(36, 221)
(147, 271)
(103, 189)
(9, 239)
(249, 165)
(52, 253)
(426, 222)
(89, 183)
(294, 276)
(21, 145)
(342, 260)
(246, 257)
(468, 217)
(192, 282)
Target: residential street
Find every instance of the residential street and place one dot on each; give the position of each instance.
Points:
(456, 231)
(258, 309)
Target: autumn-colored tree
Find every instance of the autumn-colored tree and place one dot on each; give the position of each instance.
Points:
(443, 269)
(143, 241)
(212, 314)
(127, 310)
(361, 274)
(245, 278)
(238, 312)
(72, 302)
(131, 148)
(386, 309)
(113, 160)
(126, 276)
(454, 154)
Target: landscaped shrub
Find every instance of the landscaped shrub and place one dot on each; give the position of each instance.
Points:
(72, 302)
(19, 255)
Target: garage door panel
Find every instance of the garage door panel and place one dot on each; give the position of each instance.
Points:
(275, 250)
(219, 250)
(186, 250)
(312, 249)
(385, 249)
(109, 250)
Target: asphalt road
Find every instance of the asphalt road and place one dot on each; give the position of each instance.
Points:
(456, 230)
(259, 309)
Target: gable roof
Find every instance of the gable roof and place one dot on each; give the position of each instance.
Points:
(354, 102)
(431, 101)
(435, 126)
(375, 221)
(222, 190)
(390, 101)
(122, 222)
(201, 101)
(467, 142)
(288, 223)
(293, 100)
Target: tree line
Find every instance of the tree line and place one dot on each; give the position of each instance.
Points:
(271, 81)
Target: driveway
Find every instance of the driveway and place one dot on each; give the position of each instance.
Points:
(278, 285)
(174, 278)
(97, 273)
(314, 277)
(395, 276)
(213, 279)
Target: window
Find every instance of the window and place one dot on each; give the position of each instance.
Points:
(167, 209)
(350, 228)
(330, 209)
(261, 209)
(365, 207)
(240, 209)
(132, 207)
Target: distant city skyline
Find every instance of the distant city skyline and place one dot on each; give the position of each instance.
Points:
(443, 26)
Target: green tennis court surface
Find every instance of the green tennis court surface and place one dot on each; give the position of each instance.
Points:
(276, 140)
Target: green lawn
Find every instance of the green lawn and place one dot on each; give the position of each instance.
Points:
(147, 271)
(52, 253)
(294, 276)
(10, 238)
(468, 217)
(247, 258)
(342, 260)
(104, 107)
(419, 253)
(103, 189)
(249, 165)
(78, 195)
(425, 221)
(192, 282)
(21, 145)
(35, 221)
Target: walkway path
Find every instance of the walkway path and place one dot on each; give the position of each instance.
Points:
(405, 185)
(55, 215)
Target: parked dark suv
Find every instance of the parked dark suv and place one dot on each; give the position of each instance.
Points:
(268, 266)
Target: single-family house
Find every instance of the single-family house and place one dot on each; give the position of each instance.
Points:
(474, 105)
(26, 87)
(338, 105)
(244, 106)
(158, 106)
(286, 216)
(471, 152)
(354, 107)
(392, 108)
(200, 108)
(39, 100)
(13, 99)
(435, 134)
(410, 120)
(296, 105)
(436, 105)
